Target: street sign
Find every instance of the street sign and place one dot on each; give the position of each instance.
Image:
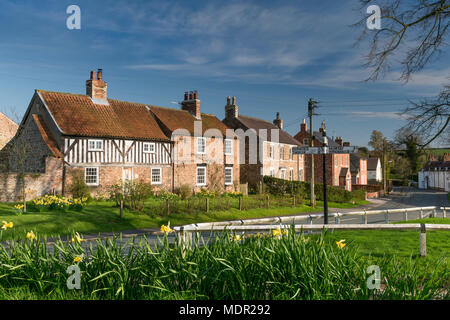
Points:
(320, 150)
(306, 150)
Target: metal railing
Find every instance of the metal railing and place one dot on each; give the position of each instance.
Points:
(186, 233)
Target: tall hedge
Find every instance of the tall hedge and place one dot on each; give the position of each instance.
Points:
(277, 186)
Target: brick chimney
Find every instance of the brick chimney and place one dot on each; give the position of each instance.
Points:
(231, 109)
(96, 88)
(191, 104)
(346, 144)
(278, 122)
(303, 126)
(339, 141)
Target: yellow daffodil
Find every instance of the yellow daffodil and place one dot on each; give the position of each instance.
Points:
(166, 229)
(236, 238)
(321, 243)
(340, 244)
(77, 238)
(31, 236)
(276, 232)
(77, 259)
(7, 225)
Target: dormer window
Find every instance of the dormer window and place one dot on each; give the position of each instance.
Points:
(95, 145)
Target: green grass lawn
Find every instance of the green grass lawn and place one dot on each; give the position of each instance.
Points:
(103, 216)
(401, 243)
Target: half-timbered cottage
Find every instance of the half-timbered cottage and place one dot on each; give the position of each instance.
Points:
(109, 141)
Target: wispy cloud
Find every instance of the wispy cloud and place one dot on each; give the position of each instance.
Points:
(384, 115)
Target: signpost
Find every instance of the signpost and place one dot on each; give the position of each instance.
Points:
(325, 149)
(320, 150)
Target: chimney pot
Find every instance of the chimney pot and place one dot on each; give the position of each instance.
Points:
(231, 110)
(303, 126)
(278, 122)
(96, 88)
(191, 103)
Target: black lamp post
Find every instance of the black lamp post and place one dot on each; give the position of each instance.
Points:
(324, 155)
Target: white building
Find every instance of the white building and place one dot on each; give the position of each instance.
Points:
(435, 175)
(374, 172)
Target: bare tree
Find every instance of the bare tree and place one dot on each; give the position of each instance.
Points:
(430, 119)
(415, 33)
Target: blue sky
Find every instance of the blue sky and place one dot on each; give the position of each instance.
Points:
(272, 55)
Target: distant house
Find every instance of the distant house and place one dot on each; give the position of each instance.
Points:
(374, 172)
(268, 148)
(358, 169)
(338, 172)
(8, 129)
(435, 175)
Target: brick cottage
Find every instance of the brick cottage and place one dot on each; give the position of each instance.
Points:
(338, 165)
(268, 148)
(112, 141)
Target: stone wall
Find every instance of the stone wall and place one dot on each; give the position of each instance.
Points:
(36, 185)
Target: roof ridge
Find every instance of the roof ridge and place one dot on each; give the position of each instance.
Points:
(255, 119)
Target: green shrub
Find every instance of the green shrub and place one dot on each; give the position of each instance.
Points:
(133, 194)
(184, 191)
(277, 186)
(79, 188)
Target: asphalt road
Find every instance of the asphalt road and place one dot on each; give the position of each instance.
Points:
(402, 197)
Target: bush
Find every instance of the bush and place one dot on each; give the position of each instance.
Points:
(277, 186)
(358, 195)
(133, 194)
(184, 191)
(79, 189)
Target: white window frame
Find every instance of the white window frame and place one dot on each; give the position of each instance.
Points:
(230, 142)
(203, 144)
(230, 169)
(271, 151)
(282, 150)
(272, 172)
(197, 176)
(283, 171)
(97, 176)
(95, 148)
(149, 144)
(291, 174)
(160, 175)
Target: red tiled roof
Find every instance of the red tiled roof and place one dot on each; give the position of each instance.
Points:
(77, 115)
(174, 119)
(257, 124)
(47, 136)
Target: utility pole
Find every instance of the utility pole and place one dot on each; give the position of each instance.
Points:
(324, 155)
(311, 106)
(384, 166)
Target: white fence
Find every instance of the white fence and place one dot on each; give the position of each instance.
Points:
(186, 232)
